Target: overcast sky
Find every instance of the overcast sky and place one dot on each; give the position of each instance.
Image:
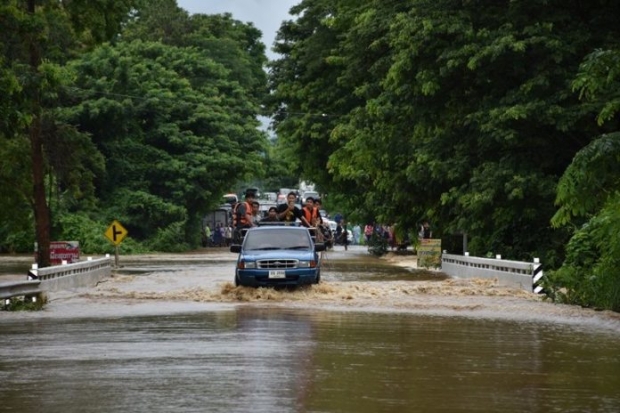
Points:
(266, 15)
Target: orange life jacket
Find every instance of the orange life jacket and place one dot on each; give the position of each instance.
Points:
(310, 215)
(240, 217)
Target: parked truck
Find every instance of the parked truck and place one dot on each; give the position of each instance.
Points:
(220, 217)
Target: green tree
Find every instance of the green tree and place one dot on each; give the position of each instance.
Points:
(232, 43)
(307, 99)
(16, 226)
(280, 169)
(589, 196)
(460, 112)
(38, 35)
(175, 131)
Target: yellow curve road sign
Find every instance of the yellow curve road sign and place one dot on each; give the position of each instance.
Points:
(116, 233)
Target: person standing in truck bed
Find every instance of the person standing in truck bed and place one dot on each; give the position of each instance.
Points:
(290, 212)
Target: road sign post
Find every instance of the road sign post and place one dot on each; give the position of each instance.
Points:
(116, 233)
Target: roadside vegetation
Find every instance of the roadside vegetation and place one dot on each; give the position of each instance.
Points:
(497, 119)
(24, 304)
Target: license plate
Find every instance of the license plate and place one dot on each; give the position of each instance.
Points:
(277, 274)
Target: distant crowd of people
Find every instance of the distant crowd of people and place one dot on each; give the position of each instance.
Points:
(219, 236)
(247, 214)
(391, 237)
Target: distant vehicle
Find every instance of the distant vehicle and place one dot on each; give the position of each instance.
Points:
(264, 207)
(281, 197)
(277, 256)
(270, 196)
(283, 193)
(313, 194)
(231, 199)
(254, 190)
(220, 217)
(217, 217)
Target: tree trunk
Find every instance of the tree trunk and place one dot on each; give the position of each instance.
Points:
(41, 209)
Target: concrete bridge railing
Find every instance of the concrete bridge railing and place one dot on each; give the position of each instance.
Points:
(515, 274)
(76, 275)
(57, 278)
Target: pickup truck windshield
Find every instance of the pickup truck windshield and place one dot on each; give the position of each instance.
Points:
(277, 238)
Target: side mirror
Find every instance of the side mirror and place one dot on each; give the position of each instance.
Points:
(235, 248)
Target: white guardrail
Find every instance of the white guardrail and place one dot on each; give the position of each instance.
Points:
(76, 275)
(59, 277)
(515, 274)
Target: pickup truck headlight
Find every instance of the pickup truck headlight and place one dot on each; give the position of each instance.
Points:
(306, 264)
(246, 265)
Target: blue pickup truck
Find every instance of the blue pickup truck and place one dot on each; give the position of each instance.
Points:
(277, 255)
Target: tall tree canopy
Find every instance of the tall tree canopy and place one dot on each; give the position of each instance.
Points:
(589, 196)
(151, 128)
(232, 43)
(38, 36)
(460, 112)
(173, 126)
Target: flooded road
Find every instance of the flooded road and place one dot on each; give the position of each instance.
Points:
(174, 334)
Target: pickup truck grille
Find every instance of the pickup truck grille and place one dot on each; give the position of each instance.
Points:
(277, 264)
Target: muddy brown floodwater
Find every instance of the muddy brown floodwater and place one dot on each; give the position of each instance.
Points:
(171, 333)
(351, 280)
